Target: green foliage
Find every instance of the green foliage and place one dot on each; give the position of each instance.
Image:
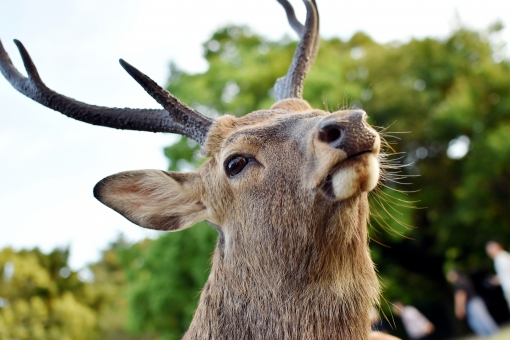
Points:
(183, 155)
(165, 278)
(107, 293)
(242, 70)
(42, 298)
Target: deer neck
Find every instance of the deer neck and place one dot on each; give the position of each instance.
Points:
(315, 282)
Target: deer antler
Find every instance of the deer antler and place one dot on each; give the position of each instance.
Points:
(177, 118)
(291, 85)
(291, 16)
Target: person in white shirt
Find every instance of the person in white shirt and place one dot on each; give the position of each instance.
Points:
(502, 266)
(417, 326)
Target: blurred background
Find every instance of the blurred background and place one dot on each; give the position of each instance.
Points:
(433, 76)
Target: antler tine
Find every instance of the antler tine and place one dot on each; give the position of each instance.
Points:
(194, 126)
(299, 28)
(291, 16)
(194, 122)
(28, 63)
(291, 85)
(317, 39)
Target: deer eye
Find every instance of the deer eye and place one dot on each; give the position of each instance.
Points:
(235, 165)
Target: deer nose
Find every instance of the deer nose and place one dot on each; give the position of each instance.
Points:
(347, 132)
(332, 133)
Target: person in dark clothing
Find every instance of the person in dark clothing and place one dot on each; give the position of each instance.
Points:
(376, 324)
(469, 305)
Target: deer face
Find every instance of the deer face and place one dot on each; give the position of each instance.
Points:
(265, 168)
(316, 155)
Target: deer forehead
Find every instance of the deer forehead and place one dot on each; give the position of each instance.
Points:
(268, 127)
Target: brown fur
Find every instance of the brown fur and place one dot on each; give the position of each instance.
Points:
(292, 104)
(292, 260)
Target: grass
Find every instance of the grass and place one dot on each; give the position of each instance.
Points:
(503, 335)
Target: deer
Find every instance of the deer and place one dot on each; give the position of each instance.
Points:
(286, 189)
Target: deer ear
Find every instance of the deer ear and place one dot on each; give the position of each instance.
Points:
(154, 199)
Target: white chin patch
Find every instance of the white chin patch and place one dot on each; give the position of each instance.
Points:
(361, 175)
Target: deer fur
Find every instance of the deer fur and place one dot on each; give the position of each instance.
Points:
(291, 262)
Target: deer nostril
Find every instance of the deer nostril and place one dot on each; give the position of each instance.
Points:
(330, 133)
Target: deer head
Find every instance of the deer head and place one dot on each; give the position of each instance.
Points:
(286, 189)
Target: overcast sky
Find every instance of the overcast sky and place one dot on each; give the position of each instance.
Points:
(50, 163)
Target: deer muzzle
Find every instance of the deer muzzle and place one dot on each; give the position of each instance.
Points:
(347, 132)
(346, 155)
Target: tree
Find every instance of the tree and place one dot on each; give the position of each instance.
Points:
(451, 94)
(164, 280)
(41, 298)
(107, 291)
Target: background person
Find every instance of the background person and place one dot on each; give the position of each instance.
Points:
(417, 326)
(469, 304)
(501, 265)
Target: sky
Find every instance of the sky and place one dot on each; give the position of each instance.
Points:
(49, 163)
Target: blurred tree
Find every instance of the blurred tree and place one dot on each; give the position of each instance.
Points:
(107, 292)
(451, 94)
(164, 280)
(41, 298)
